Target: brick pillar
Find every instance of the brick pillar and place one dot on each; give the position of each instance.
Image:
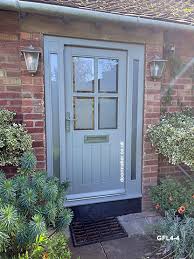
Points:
(10, 83)
(151, 116)
(33, 98)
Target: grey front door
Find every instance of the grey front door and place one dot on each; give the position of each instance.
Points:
(95, 83)
(94, 117)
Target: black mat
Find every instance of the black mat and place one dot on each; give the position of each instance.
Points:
(90, 232)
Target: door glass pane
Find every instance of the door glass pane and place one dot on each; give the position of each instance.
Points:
(107, 113)
(54, 85)
(134, 118)
(108, 75)
(83, 74)
(83, 113)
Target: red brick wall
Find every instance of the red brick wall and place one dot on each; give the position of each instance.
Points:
(19, 91)
(182, 88)
(10, 81)
(151, 116)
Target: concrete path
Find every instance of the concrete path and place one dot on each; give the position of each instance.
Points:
(133, 247)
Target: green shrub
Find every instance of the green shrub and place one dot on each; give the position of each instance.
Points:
(51, 248)
(14, 139)
(171, 194)
(57, 247)
(173, 137)
(29, 204)
(172, 226)
(6, 117)
(27, 162)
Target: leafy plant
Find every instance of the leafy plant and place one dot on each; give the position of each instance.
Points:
(51, 248)
(14, 139)
(57, 247)
(172, 226)
(17, 231)
(29, 204)
(167, 96)
(27, 162)
(6, 117)
(166, 99)
(173, 137)
(171, 194)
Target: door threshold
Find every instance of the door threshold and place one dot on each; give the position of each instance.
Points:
(95, 195)
(107, 209)
(95, 200)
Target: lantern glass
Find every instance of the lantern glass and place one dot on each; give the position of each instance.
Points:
(157, 68)
(31, 59)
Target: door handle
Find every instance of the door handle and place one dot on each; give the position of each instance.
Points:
(68, 120)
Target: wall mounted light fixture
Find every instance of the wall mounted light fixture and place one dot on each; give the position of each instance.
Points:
(157, 67)
(31, 56)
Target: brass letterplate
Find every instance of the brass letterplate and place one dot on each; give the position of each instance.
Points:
(96, 139)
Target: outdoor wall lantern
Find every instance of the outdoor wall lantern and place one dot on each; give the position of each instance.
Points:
(31, 56)
(157, 67)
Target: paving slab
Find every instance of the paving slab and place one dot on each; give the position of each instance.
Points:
(135, 227)
(140, 214)
(138, 224)
(127, 248)
(153, 220)
(94, 251)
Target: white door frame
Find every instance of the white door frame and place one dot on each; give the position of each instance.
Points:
(56, 146)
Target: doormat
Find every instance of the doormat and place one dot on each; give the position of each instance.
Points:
(90, 232)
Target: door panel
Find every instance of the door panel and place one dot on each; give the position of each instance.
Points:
(95, 126)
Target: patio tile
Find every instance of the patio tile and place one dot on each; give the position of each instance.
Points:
(139, 223)
(153, 220)
(93, 251)
(137, 215)
(126, 248)
(135, 226)
(132, 228)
